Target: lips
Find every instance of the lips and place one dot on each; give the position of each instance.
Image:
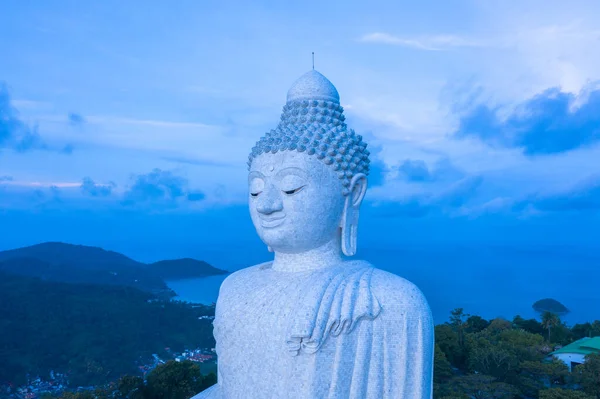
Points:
(271, 222)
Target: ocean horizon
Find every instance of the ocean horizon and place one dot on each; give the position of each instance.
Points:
(485, 281)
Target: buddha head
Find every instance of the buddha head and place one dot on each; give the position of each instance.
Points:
(308, 177)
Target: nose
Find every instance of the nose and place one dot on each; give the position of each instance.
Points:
(269, 201)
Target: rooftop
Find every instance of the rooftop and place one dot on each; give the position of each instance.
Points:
(584, 346)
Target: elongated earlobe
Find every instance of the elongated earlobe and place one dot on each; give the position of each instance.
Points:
(349, 223)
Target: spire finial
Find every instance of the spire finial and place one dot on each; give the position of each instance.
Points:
(313, 58)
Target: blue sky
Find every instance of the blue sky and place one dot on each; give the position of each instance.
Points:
(128, 124)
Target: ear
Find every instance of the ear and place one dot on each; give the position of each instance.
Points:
(358, 189)
(349, 224)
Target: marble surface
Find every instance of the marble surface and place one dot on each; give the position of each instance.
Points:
(314, 323)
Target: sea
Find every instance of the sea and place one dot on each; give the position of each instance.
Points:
(486, 281)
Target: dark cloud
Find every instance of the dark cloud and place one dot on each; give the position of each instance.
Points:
(584, 197)
(14, 133)
(76, 119)
(43, 197)
(377, 168)
(419, 172)
(415, 170)
(160, 186)
(458, 193)
(455, 196)
(195, 196)
(67, 149)
(412, 207)
(548, 123)
(6, 178)
(89, 187)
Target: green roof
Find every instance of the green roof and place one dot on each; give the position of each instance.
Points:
(584, 346)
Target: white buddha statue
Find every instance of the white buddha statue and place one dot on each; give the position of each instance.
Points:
(313, 323)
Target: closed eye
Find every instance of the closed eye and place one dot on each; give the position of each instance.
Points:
(255, 194)
(294, 191)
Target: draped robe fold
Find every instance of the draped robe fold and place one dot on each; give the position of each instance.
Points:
(349, 331)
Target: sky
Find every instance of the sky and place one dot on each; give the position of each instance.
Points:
(127, 125)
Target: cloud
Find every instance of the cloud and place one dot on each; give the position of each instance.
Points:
(67, 149)
(197, 161)
(76, 119)
(458, 193)
(160, 186)
(14, 133)
(551, 122)
(195, 196)
(6, 178)
(417, 171)
(451, 198)
(583, 197)
(146, 122)
(378, 170)
(89, 187)
(427, 43)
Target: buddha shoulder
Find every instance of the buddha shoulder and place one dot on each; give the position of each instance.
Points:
(242, 277)
(398, 295)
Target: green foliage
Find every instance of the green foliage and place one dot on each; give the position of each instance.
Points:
(94, 333)
(447, 339)
(479, 386)
(588, 375)
(560, 393)
(442, 369)
(501, 359)
(530, 325)
(130, 387)
(550, 321)
(475, 324)
(586, 330)
(174, 380)
(545, 374)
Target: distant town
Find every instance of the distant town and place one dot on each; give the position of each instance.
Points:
(57, 383)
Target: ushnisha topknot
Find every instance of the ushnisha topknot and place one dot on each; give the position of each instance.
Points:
(313, 122)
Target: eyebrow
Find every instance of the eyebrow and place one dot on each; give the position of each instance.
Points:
(292, 170)
(255, 174)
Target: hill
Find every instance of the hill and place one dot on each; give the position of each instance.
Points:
(94, 333)
(183, 268)
(56, 261)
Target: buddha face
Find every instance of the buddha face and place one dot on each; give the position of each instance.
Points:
(296, 201)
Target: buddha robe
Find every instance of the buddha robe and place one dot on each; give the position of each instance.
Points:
(349, 331)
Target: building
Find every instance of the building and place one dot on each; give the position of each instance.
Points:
(575, 353)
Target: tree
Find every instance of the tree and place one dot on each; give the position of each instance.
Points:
(560, 393)
(531, 325)
(475, 324)
(498, 325)
(457, 322)
(581, 330)
(479, 386)
(551, 373)
(130, 387)
(442, 369)
(447, 339)
(595, 329)
(488, 358)
(550, 320)
(588, 375)
(174, 380)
